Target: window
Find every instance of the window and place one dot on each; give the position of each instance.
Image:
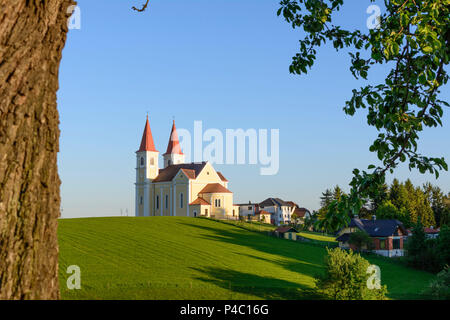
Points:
(152, 161)
(181, 200)
(170, 162)
(167, 201)
(157, 202)
(249, 208)
(141, 200)
(142, 161)
(217, 203)
(206, 212)
(396, 243)
(382, 244)
(233, 212)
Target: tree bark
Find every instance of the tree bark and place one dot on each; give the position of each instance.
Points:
(32, 36)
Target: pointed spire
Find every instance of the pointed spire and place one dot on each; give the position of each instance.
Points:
(174, 144)
(147, 143)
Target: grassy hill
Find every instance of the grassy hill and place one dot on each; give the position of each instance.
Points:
(187, 258)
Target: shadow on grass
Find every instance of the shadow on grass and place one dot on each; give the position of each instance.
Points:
(267, 288)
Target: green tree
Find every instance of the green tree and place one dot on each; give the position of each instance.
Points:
(326, 198)
(360, 239)
(413, 39)
(443, 246)
(416, 247)
(387, 210)
(346, 277)
(440, 287)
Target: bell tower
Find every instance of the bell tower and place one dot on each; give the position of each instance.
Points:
(147, 169)
(173, 154)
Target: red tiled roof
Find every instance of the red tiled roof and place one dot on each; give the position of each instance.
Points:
(263, 212)
(174, 144)
(147, 143)
(200, 201)
(215, 188)
(222, 177)
(189, 173)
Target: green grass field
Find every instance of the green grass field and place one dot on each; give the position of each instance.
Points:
(187, 258)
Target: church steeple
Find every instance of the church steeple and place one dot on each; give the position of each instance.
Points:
(147, 169)
(173, 155)
(147, 143)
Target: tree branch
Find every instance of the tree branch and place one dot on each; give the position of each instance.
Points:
(143, 7)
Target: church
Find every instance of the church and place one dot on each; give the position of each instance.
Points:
(179, 189)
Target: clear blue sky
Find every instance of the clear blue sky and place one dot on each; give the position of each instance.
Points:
(222, 62)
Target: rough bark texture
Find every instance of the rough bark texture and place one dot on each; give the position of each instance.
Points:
(32, 36)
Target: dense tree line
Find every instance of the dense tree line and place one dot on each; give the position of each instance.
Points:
(402, 201)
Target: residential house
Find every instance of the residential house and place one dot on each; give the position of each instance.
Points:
(387, 236)
(286, 233)
(281, 211)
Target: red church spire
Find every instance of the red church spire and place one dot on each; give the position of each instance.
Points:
(147, 143)
(174, 144)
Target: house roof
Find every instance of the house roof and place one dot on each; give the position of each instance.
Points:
(269, 202)
(431, 230)
(214, 188)
(378, 228)
(300, 212)
(285, 229)
(263, 212)
(221, 176)
(174, 143)
(147, 143)
(192, 170)
(200, 201)
(343, 238)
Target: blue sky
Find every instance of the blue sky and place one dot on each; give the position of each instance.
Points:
(224, 63)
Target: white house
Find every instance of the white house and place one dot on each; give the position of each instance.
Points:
(281, 211)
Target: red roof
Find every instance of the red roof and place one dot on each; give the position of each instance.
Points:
(147, 143)
(215, 188)
(200, 201)
(222, 177)
(174, 144)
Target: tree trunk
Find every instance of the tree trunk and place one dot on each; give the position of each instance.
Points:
(32, 36)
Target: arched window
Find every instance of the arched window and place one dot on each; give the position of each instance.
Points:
(142, 161)
(141, 200)
(157, 202)
(152, 161)
(167, 201)
(169, 162)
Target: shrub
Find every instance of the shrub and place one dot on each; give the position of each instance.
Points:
(361, 239)
(440, 287)
(346, 277)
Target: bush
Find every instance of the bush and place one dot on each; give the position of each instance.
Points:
(440, 288)
(346, 277)
(361, 239)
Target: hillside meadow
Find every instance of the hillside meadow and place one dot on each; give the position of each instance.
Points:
(189, 258)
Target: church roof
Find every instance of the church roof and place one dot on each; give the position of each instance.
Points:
(174, 143)
(192, 170)
(147, 143)
(214, 188)
(222, 177)
(200, 201)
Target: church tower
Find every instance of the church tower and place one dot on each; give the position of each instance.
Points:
(173, 154)
(147, 169)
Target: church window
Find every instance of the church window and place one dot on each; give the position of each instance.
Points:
(142, 161)
(141, 200)
(217, 203)
(170, 162)
(181, 200)
(152, 161)
(167, 201)
(157, 202)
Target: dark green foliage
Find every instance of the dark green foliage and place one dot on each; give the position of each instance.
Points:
(440, 287)
(346, 277)
(361, 240)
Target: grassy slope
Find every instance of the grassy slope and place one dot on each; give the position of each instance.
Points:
(186, 258)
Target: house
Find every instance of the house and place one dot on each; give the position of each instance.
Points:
(431, 232)
(286, 233)
(248, 210)
(179, 188)
(263, 216)
(281, 211)
(387, 236)
(301, 214)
